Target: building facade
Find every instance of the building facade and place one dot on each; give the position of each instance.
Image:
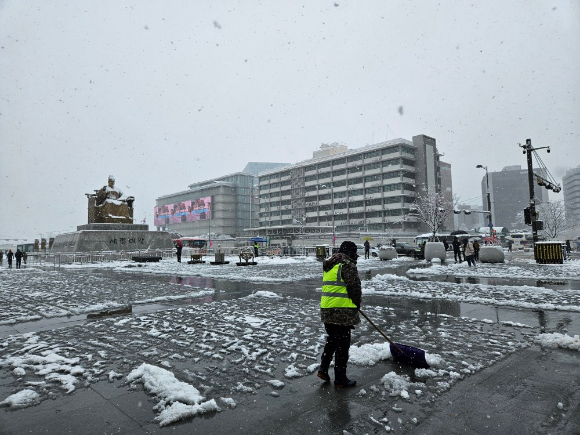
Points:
(571, 188)
(365, 189)
(509, 194)
(219, 206)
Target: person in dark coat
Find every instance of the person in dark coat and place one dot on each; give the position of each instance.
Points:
(476, 250)
(456, 248)
(339, 305)
(179, 247)
(10, 256)
(367, 249)
(1, 256)
(18, 256)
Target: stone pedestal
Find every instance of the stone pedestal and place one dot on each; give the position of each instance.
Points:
(112, 237)
(387, 253)
(491, 254)
(435, 250)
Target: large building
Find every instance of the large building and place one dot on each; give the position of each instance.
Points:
(364, 189)
(571, 188)
(509, 193)
(224, 205)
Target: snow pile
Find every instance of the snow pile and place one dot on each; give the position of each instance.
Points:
(49, 364)
(264, 294)
(398, 385)
(369, 354)
(561, 341)
(178, 400)
(21, 399)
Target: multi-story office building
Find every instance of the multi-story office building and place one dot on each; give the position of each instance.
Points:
(221, 206)
(224, 205)
(571, 188)
(369, 188)
(509, 193)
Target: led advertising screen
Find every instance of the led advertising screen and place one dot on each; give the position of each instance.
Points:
(185, 211)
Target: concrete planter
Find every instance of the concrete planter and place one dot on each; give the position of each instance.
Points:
(387, 253)
(435, 250)
(491, 254)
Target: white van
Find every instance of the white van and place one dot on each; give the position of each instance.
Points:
(520, 240)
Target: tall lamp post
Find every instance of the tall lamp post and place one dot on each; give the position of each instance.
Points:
(490, 224)
(332, 211)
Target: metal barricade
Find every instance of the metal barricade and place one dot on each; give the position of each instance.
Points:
(550, 252)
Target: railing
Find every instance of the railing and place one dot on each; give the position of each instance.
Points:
(62, 258)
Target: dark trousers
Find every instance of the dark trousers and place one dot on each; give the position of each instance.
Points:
(337, 345)
(179, 255)
(9, 263)
(367, 254)
(457, 253)
(470, 259)
(18, 263)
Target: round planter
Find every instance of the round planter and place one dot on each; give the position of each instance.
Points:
(435, 250)
(387, 253)
(491, 254)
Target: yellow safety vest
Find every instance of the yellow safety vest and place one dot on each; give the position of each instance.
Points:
(334, 294)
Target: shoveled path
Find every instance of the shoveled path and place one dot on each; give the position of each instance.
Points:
(527, 393)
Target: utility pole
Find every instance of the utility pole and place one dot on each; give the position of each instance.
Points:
(488, 193)
(536, 224)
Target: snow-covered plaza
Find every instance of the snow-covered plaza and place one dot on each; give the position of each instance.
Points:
(225, 348)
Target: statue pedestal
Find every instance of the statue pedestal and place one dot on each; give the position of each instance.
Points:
(112, 237)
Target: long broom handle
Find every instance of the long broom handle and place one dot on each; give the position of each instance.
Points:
(382, 333)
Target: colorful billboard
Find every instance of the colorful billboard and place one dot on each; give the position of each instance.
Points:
(184, 211)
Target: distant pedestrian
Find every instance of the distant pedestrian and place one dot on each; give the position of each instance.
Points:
(1, 256)
(476, 250)
(10, 256)
(445, 245)
(510, 244)
(469, 253)
(568, 247)
(256, 246)
(456, 248)
(179, 247)
(367, 249)
(18, 256)
(24, 256)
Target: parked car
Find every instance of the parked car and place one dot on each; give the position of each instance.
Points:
(404, 248)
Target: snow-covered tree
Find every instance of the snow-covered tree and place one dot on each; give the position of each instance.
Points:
(554, 217)
(433, 209)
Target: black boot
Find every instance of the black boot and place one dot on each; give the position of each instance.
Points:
(340, 379)
(323, 370)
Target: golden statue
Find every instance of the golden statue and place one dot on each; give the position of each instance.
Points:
(107, 205)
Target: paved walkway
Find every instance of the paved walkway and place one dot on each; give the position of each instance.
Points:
(529, 392)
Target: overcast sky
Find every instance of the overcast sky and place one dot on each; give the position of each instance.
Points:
(162, 94)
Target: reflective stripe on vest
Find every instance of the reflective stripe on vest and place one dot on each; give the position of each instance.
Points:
(334, 293)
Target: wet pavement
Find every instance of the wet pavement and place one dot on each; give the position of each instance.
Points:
(213, 334)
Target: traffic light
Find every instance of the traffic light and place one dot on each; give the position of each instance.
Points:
(527, 216)
(538, 226)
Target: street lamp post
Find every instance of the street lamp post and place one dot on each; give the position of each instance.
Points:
(332, 211)
(490, 224)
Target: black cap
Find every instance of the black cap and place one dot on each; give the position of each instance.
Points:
(348, 248)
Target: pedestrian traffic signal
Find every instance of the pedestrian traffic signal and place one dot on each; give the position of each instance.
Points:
(538, 226)
(527, 216)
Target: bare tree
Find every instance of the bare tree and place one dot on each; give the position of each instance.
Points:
(554, 217)
(433, 209)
